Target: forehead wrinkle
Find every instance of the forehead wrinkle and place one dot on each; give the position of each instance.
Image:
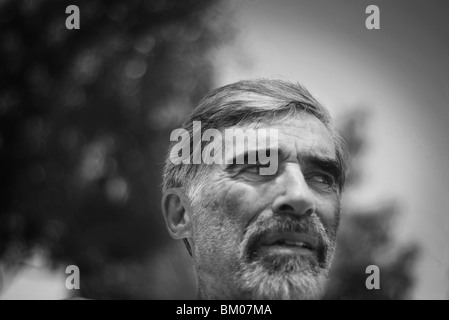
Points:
(310, 146)
(316, 149)
(321, 142)
(310, 142)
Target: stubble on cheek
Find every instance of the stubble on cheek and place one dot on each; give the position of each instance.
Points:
(218, 227)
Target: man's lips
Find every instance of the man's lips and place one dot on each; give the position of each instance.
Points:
(288, 243)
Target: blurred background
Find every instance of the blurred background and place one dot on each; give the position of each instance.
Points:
(86, 115)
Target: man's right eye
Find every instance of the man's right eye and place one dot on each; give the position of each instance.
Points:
(254, 168)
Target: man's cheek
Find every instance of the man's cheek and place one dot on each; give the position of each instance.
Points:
(242, 202)
(329, 214)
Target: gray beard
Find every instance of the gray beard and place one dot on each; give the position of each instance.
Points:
(296, 280)
(284, 277)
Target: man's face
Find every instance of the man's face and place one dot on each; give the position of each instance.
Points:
(270, 236)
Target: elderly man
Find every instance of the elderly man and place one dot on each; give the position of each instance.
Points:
(253, 235)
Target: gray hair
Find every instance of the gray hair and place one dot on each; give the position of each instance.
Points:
(245, 102)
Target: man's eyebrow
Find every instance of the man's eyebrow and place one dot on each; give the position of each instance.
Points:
(324, 163)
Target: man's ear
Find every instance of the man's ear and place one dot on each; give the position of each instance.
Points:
(176, 209)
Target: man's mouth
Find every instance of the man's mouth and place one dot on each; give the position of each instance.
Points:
(287, 243)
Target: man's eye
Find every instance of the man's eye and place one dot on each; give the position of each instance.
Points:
(254, 168)
(323, 179)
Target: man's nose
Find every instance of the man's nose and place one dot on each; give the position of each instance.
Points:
(294, 196)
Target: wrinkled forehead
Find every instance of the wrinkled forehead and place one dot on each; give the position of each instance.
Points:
(308, 135)
(298, 135)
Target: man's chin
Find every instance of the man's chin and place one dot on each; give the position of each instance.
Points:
(283, 277)
(288, 263)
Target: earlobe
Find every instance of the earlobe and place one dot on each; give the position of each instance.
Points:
(176, 210)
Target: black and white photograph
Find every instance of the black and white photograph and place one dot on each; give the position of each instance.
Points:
(224, 150)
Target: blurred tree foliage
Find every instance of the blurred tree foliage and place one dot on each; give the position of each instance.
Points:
(85, 117)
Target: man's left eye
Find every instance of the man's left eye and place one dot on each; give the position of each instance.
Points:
(323, 180)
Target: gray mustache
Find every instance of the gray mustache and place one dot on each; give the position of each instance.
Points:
(311, 226)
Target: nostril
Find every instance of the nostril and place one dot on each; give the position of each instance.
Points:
(286, 207)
